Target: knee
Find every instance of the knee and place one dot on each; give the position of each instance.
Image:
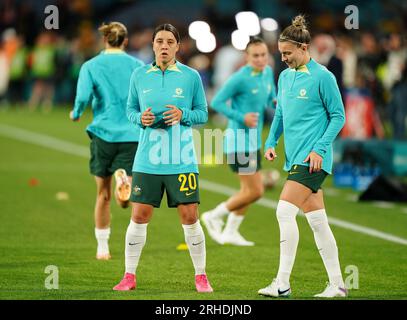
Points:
(286, 211)
(309, 206)
(141, 216)
(188, 214)
(317, 219)
(256, 193)
(188, 217)
(260, 191)
(104, 195)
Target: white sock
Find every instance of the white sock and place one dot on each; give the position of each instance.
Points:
(289, 235)
(136, 236)
(233, 223)
(195, 239)
(102, 238)
(220, 211)
(326, 244)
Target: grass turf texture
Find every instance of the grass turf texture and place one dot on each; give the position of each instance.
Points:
(37, 230)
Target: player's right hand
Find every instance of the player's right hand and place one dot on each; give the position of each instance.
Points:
(147, 117)
(251, 119)
(270, 154)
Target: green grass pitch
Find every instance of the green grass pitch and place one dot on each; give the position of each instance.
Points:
(37, 230)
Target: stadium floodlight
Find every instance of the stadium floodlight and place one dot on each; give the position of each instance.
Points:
(269, 24)
(198, 28)
(248, 22)
(240, 39)
(206, 42)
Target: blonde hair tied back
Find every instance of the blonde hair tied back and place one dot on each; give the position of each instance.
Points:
(114, 32)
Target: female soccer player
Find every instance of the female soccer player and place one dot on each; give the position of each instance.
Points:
(105, 80)
(251, 90)
(311, 114)
(165, 99)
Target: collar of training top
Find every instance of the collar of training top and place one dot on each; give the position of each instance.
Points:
(171, 67)
(253, 72)
(305, 67)
(112, 51)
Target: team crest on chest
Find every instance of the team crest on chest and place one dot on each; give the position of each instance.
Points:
(303, 94)
(178, 93)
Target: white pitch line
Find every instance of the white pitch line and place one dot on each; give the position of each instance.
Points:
(352, 197)
(78, 150)
(44, 141)
(331, 192)
(384, 204)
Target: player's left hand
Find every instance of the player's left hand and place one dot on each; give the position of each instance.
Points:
(172, 116)
(315, 162)
(72, 118)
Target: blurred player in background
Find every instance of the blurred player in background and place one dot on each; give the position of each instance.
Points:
(251, 89)
(104, 80)
(310, 112)
(165, 99)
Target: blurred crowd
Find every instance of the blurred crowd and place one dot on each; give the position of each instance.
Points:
(40, 67)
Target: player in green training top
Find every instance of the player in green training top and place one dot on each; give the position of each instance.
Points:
(250, 90)
(310, 112)
(165, 99)
(104, 81)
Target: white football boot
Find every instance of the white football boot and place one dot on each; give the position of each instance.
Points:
(273, 290)
(332, 291)
(213, 225)
(236, 239)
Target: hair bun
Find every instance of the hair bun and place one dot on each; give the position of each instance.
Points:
(113, 33)
(299, 22)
